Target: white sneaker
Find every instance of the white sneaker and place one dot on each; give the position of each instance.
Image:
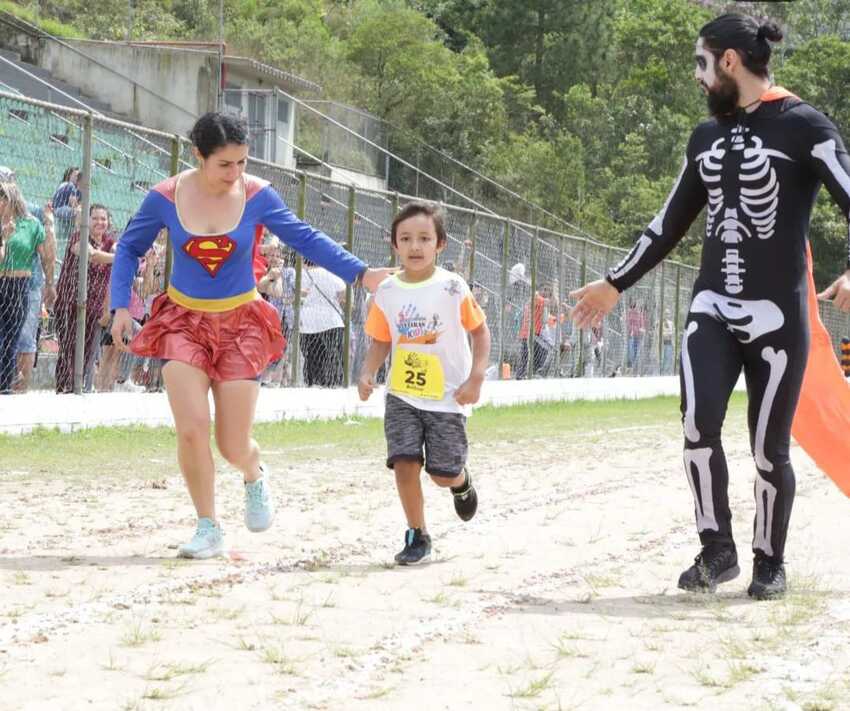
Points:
(208, 541)
(259, 507)
(128, 387)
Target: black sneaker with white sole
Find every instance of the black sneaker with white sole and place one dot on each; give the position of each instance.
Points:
(715, 564)
(417, 548)
(466, 498)
(768, 579)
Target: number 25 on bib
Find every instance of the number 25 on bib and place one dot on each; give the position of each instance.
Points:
(417, 374)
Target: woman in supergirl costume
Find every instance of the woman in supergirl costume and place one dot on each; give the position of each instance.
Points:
(211, 328)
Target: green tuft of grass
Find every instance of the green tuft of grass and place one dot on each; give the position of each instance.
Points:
(534, 688)
(137, 635)
(167, 672)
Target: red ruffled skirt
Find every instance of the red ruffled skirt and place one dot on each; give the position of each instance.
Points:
(231, 345)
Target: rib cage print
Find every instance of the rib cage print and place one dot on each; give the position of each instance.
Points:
(755, 212)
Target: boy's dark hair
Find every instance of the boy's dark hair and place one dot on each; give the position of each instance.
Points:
(215, 130)
(420, 208)
(746, 36)
(66, 176)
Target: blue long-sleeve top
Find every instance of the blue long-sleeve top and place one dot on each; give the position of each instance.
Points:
(215, 272)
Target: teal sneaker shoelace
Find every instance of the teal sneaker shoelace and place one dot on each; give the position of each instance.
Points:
(206, 529)
(256, 492)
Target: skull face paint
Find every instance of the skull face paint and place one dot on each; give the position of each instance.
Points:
(720, 89)
(705, 71)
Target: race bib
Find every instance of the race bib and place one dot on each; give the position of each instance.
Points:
(417, 374)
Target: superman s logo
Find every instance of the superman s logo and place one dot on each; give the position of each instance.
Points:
(210, 252)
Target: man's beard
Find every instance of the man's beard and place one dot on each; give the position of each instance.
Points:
(723, 97)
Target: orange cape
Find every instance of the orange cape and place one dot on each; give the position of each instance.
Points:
(822, 421)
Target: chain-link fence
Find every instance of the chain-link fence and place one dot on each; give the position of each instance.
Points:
(520, 273)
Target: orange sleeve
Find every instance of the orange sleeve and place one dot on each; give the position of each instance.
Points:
(376, 324)
(471, 315)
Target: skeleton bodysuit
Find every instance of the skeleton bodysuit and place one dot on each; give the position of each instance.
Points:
(758, 175)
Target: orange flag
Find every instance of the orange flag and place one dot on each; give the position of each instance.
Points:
(822, 421)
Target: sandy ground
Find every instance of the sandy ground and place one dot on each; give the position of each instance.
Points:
(560, 594)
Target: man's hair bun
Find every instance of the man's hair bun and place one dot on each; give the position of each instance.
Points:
(770, 31)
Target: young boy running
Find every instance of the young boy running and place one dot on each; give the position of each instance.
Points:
(423, 315)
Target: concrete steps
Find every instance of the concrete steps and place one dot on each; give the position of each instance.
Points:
(49, 88)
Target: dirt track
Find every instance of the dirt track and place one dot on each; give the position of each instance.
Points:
(559, 594)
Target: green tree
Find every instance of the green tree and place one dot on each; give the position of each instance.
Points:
(548, 171)
(548, 45)
(452, 101)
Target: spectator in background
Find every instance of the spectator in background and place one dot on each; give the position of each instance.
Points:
(272, 286)
(114, 371)
(27, 345)
(148, 371)
(322, 326)
(100, 254)
(667, 345)
(481, 296)
(22, 236)
(546, 343)
(635, 330)
(515, 300)
(68, 194)
(541, 352)
(567, 346)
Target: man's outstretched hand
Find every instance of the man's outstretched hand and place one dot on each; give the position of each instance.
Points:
(595, 301)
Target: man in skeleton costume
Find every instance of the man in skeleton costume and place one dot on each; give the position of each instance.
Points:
(756, 166)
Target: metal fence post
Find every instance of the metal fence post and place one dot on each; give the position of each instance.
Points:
(174, 170)
(295, 338)
(661, 323)
(346, 336)
(83, 257)
(275, 122)
(559, 298)
(503, 295)
(677, 334)
(395, 212)
(605, 320)
(473, 231)
(582, 281)
(532, 308)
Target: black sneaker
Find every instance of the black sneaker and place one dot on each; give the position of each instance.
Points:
(417, 548)
(715, 564)
(768, 579)
(466, 498)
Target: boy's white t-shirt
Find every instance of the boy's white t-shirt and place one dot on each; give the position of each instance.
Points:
(424, 320)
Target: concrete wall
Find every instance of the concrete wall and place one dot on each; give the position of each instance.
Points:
(167, 89)
(23, 43)
(367, 182)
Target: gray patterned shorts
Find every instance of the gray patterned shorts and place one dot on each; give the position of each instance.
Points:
(442, 434)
